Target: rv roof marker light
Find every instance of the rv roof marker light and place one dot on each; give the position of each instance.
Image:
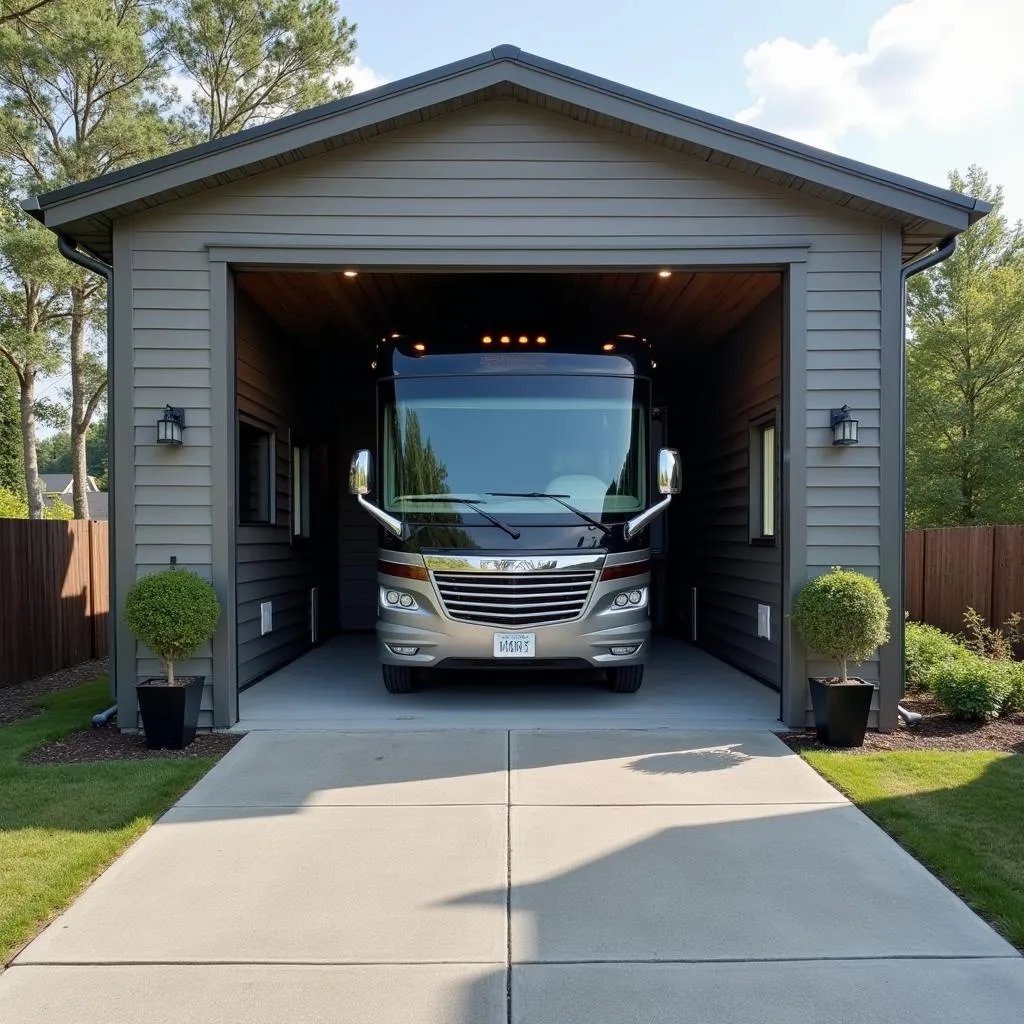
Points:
(608, 347)
(505, 339)
(486, 339)
(523, 339)
(541, 340)
(664, 273)
(351, 273)
(420, 347)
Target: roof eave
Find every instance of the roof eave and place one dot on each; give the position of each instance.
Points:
(531, 72)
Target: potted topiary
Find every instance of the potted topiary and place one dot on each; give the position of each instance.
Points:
(173, 612)
(845, 616)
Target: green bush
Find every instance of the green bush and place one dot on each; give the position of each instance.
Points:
(926, 647)
(173, 612)
(843, 615)
(1013, 675)
(15, 506)
(971, 687)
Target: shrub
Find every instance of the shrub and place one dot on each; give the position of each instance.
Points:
(992, 641)
(843, 615)
(926, 647)
(969, 686)
(15, 506)
(1013, 675)
(173, 612)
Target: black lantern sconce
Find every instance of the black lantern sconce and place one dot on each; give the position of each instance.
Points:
(170, 426)
(844, 426)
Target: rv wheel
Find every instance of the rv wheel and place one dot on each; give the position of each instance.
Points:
(626, 679)
(398, 679)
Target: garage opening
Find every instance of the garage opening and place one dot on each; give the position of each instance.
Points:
(306, 342)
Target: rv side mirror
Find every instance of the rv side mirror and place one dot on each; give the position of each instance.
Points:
(668, 471)
(360, 475)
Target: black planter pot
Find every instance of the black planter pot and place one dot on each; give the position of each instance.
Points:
(841, 711)
(170, 714)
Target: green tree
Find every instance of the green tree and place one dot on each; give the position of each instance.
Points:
(12, 460)
(965, 375)
(56, 456)
(251, 61)
(23, 11)
(82, 92)
(33, 316)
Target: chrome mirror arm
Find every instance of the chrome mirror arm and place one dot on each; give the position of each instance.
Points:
(633, 526)
(390, 523)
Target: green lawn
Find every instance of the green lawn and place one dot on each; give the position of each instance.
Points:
(962, 815)
(60, 825)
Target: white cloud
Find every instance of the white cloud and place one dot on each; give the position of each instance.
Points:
(361, 77)
(932, 64)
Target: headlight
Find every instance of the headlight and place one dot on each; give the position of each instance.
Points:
(621, 600)
(406, 601)
(397, 599)
(392, 597)
(634, 598)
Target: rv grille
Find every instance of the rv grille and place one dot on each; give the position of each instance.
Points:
(514, 599)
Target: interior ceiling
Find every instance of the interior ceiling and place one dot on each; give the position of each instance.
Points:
(687, 309)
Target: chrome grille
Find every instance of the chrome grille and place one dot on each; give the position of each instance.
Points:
(514, 599)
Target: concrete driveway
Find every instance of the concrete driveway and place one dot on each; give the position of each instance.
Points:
(544, 877)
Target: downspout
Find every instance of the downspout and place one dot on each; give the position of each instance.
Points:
(69, 249)
(946, 249)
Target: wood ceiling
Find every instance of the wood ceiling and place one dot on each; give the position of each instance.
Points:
(686, 309)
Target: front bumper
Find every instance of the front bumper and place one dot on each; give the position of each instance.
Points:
(587, 640)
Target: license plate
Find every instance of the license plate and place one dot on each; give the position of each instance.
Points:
(514, 645)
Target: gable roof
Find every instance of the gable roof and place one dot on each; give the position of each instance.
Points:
(86, 211)
(60, 483)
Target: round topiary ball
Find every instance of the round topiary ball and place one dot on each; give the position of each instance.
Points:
(843, 615)
(173, 612)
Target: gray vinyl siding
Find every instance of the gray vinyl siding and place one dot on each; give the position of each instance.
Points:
(505, 184)
(740, 383)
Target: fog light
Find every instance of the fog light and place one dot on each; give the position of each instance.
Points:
(406, 652)
(635, 596)
(621, 600)
(392, 597)
(623, 651)
(406, 601)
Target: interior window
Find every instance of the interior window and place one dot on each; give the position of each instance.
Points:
(255, 491)
(300, 491)
(763, 480)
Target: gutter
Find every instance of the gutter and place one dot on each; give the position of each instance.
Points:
(946, 249)
(68, 248)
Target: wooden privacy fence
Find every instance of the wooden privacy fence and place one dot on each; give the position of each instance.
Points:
(949, 570)
(54, 596)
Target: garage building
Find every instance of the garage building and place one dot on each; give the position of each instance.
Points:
(253, 277)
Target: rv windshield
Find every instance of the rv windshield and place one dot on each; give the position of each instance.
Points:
(581, 438)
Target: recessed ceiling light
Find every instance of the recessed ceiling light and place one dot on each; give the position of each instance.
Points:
(523, 339)
(505, 339)
(542, 340)
(420, 347)
(351, 273)
(664, 273)
(608, 346)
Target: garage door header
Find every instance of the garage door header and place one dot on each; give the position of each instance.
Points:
(86, 210)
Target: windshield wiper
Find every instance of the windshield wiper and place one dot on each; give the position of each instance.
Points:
(554, 497)
(474, 505)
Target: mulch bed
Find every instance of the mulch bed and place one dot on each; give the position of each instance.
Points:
(14, 699)
(107, 744)
(936, 731)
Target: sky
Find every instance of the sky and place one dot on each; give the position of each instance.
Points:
(919, 87)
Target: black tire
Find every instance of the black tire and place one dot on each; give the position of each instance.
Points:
(626, 679)
(398, 678)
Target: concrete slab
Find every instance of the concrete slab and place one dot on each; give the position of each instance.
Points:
(338, 686)
(840, 992)
(336, 769)
(315, 885)
(720, 883)
(647, 767)
(255, 994)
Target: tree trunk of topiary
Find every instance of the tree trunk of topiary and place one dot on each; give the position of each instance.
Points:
(170, 672)
(842, 670)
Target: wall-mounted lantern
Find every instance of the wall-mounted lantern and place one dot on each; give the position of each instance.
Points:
(844, 426)
(170, 426)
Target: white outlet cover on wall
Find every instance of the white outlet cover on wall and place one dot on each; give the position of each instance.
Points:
(266, 617)
(764, 621)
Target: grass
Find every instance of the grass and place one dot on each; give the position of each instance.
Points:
(61, 825)
(960, 814)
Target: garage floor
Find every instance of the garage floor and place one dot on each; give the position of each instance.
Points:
(493, 877)
(338, 686)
